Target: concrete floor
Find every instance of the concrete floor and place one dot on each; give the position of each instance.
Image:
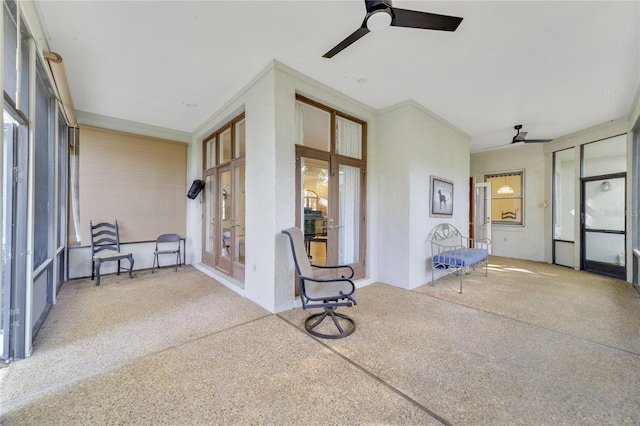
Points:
(531, 344)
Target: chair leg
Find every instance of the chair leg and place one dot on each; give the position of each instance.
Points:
(155, 257)
(177, 260)
(98, 264)
(131, 266)
(317, 319)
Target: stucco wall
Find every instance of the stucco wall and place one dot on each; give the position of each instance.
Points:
(269, 106)
(414, 144)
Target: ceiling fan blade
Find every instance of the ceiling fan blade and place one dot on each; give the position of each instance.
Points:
(519, 137)
(357, 34)
(537, 140)
(428, 21)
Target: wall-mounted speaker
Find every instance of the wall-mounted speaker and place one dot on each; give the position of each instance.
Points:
(195, 189)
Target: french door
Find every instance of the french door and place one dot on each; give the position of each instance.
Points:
(224, 211)
(330, 209)
(224, 202)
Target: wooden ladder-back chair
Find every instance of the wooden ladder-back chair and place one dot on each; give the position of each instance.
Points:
(105, 247)
(327, 293)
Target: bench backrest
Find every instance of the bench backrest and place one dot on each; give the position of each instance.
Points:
(447, 235)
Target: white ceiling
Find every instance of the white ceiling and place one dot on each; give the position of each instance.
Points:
(555, 67)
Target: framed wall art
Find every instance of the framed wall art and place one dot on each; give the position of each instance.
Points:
(441, 202)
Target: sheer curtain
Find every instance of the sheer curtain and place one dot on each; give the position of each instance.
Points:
(349, 143)
(74, 172)
(349, 231)
(299, 124)
(348, 138)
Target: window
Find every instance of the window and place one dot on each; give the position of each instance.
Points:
(605, 156)
(507, 197)
(563, 194)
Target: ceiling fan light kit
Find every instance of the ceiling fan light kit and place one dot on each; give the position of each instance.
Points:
(381, 14)
(379, 20)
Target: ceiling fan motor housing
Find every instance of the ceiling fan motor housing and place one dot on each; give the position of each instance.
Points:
(376, 5)
(378, 8)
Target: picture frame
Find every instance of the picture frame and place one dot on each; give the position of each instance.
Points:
(441, 197)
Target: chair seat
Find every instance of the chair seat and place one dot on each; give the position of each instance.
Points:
(466, 257)
(111, 256)
(165, 251)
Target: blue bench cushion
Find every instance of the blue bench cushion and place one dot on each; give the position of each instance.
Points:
(466, 257)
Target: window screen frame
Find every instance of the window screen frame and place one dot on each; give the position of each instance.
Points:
(495, 200)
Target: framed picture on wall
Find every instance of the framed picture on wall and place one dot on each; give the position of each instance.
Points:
(441, 202)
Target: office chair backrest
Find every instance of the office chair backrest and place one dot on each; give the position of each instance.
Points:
(303, 265)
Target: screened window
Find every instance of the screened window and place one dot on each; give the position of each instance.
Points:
(10, 60)
(507, 197)
(564, 211)
(605, 157)
(43, 191)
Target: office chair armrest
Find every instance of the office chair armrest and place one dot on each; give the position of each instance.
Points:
(336, 267)
(330, 280)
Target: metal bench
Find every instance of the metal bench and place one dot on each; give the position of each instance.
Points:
(452, 251)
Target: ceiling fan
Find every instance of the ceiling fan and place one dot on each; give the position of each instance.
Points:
(381, 13)
(520, 136)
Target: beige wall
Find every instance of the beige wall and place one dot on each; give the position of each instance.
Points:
(528, 241)
(138, 180)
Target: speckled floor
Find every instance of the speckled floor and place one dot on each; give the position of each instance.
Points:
(532, 344)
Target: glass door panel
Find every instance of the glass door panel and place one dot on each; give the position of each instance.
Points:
(315, 208)
(604, 225)
(482, 208)
(564, 210)
(209, 207)
(605, 204)
(348, 225)
(238, 227)
(605, 248)
(224, 225)
(345, 223)
(6, 248)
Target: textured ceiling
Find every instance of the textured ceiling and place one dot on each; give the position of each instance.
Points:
(555, 67)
